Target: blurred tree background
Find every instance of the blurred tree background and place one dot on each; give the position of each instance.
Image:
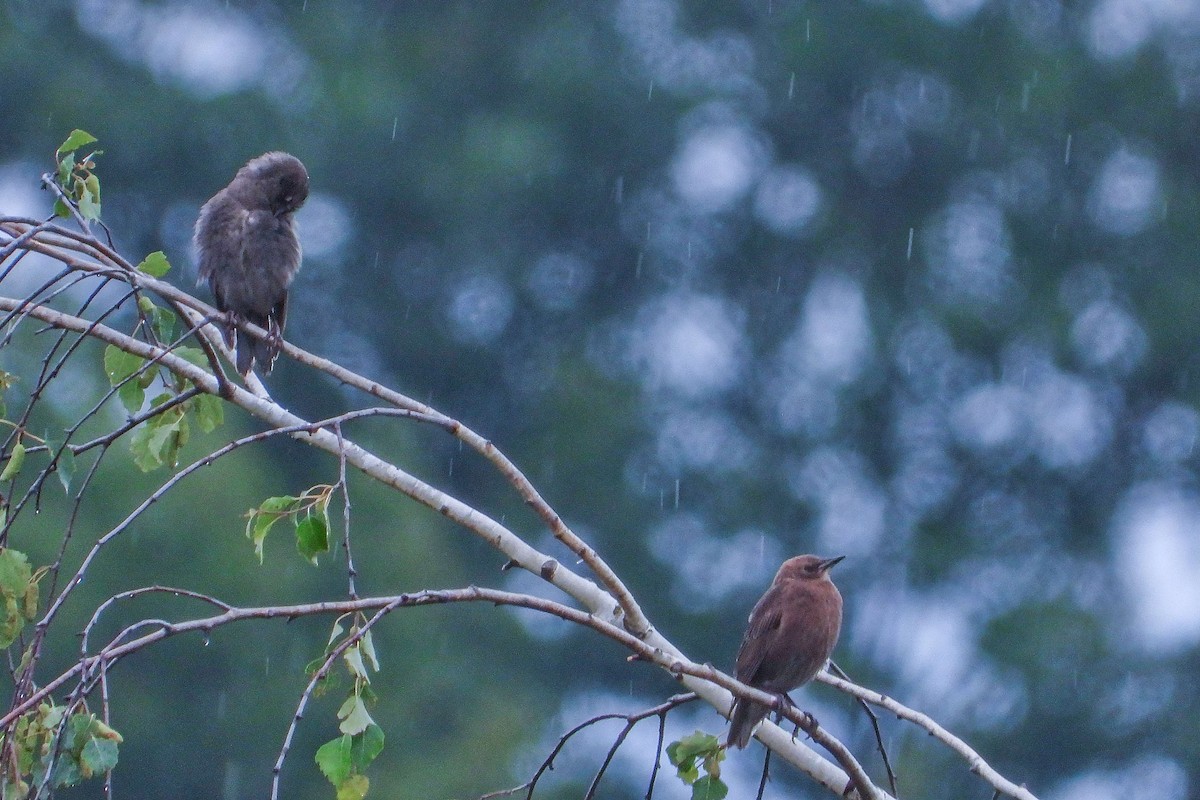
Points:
(913, 282)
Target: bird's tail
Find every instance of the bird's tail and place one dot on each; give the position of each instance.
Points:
(251, 351)
(745, 716)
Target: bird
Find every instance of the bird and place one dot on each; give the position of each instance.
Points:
(791, 634)
(248, 252)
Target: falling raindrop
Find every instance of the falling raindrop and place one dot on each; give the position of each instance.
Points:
(778, 284)
(450, 474)
(395, 123)
(677, 494)
(650, 94)
(662, 499)
(1067, 152)
(908, 255)
(808, 30)
(792, 86)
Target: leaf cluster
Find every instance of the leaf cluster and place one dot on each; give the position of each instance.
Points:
(344, 760)
(691, 754)
(76, 176)
(62, 749)
(18, 594)
(159, 439)
(310, 514)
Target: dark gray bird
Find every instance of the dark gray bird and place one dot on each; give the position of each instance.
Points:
(248, 251)
(792, 631)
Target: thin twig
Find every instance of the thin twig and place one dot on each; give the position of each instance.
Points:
(887, 764)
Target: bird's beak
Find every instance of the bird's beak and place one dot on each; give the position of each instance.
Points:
(829, 562)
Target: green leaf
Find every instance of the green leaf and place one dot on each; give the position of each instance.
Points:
(334, 635)
(354, 716)
(15, 580)
(52, 717)
(15, 571)
(353, 788)
(210, 412)
(162, 320)
(709, 788)
(119, 365)
(686, 754)
(367, 746)
(99, 755)
(353, 658)
(367, 643)
(15, 460)
(78, 729)
(132, 396)
(697, 744)
(193, 355)
(66, 771)
(29, 603)
(65, 166)
(11, 620)
(89, 198)
(260, 520)
(312, 537)
(77, 139)
(66, 466)
(160, 439)
(144, 456)
(334, 759)
(155, 264)
(61, 209)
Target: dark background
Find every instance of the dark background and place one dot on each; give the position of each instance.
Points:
(913, 283)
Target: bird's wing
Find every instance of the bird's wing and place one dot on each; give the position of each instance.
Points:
(765, 619)
(272, 257)
(220, 238)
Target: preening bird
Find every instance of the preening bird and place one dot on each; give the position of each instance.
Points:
(248, 252)
(791, 635)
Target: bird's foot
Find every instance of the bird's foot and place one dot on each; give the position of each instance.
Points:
(274, 339)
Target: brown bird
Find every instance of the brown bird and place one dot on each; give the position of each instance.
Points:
(246, 241)
(792, 631)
